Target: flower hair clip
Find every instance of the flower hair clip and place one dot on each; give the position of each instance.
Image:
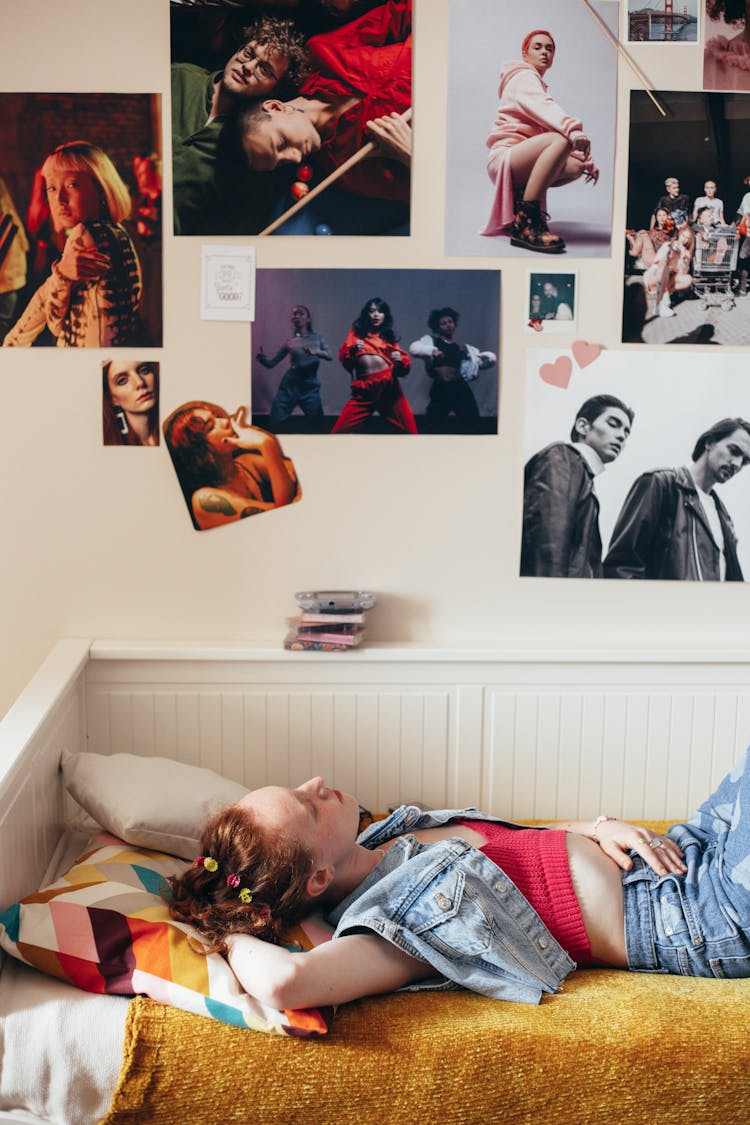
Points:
(233, 880)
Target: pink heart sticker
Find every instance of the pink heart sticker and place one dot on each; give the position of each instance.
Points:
(584, 353)
(557, 373)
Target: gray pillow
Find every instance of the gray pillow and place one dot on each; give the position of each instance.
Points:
(151, 802)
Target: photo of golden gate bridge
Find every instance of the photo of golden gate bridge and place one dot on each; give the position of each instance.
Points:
(662, 21)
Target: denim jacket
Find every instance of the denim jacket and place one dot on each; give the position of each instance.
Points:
(449, 905)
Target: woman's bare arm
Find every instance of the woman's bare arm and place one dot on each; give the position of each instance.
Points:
(268, 451)
(617, 837)
(348, 968)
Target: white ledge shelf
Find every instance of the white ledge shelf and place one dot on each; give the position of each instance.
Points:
(410, 651)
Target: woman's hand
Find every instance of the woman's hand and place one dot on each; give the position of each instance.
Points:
(271, 461)
(392, 136)
(581, 144)
(616, 838)
(81, 261)
(248, 437)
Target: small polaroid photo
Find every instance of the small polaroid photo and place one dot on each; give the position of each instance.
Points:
(551, 303)
(657, 21)
(228, 283)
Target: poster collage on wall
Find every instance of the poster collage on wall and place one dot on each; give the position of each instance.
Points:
(295, 119)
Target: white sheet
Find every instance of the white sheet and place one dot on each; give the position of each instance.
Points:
(60, 1048)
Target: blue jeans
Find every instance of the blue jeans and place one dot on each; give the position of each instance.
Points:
(296, 390)
(697, 924)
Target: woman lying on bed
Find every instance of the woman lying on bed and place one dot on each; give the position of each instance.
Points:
(435, 899)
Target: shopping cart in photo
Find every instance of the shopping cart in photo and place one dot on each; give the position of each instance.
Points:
(714, 262)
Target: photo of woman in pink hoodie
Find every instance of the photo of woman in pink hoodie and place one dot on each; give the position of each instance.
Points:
(533, 145)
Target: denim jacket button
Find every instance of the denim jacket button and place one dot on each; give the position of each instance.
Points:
(501, 888)
(542, 943)
(443, 902)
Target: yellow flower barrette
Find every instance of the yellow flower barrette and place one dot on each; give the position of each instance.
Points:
(245, 895)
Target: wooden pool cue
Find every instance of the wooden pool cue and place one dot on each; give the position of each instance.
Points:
(335, 175)
(631, 63)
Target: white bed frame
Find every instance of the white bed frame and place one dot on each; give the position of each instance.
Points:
(524, 734)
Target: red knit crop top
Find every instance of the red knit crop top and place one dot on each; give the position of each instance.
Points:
(536, 860)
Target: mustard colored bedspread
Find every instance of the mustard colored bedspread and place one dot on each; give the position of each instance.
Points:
(613, 1048)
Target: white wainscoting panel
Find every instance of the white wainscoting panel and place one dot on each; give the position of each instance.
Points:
(379, 744)
(636, 753)
(526, 735)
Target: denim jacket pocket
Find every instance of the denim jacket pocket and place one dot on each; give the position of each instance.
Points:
(449, 914)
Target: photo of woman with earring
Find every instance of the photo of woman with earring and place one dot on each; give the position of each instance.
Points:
(130, 402)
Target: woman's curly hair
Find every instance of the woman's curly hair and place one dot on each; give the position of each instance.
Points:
(271, 865)
(283, 37)
(731, 11)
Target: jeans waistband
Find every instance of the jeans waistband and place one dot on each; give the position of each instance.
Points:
(640, 944)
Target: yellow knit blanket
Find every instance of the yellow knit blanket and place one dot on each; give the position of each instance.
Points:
(612, 1048)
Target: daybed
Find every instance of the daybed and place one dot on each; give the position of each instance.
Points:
(610, 1046)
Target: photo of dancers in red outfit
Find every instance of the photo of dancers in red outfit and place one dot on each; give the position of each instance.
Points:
(376, 351)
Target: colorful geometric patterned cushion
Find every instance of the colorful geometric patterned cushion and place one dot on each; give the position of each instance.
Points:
(104, 927)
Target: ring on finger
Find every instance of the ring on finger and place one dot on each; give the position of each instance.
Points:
(656, 843)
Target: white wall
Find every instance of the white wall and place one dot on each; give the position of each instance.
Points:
(96, 541)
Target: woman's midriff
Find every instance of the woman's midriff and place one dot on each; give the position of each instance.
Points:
(596, 881)
(369, 365)
(445, 374)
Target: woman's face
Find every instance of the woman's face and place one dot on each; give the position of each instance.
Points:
(662, 216)
(132, 386)
(73, 196)
(300, 318)
(684, 236)
(324, 819)
(217, 429)
(710, 188)
(540, 53)
(376, 316)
